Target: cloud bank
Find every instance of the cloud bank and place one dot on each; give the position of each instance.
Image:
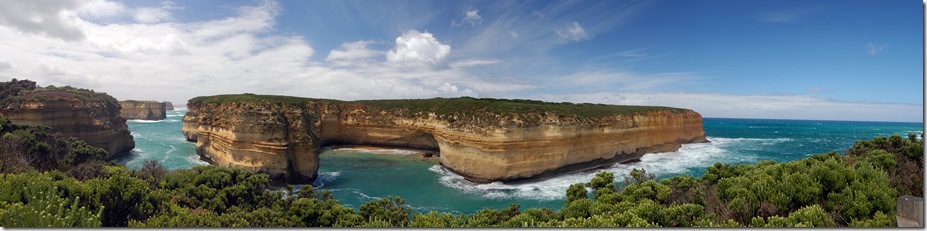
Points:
(155, 57)
(146, 53)
(756, 106)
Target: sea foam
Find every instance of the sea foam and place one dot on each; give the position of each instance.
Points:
(145, 121)
(381, 151)
(325, 177)
(688, 157)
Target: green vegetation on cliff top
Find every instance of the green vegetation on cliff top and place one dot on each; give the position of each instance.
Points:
(450, 106)
(252, 98)
(17, 91)
(824, 190)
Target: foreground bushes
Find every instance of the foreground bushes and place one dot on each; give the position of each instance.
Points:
(24, 148)
(824, 190)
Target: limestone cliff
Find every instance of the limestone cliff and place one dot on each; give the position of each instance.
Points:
(168, 106)
(84, 114)
(143, 110)
(482, 139)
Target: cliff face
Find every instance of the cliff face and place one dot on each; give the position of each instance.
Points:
(274, 140)
(483, 145)
(143, 110)
(168, 106)
(91, 117)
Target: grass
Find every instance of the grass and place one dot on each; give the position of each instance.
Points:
(454, 106)
(252, 98)
(15, 95)
(450, 106)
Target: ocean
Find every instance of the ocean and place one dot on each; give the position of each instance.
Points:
(356, 176)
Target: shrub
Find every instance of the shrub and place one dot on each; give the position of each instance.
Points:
(390, 210)
(575, 192)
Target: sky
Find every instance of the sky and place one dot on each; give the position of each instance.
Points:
(817, 60)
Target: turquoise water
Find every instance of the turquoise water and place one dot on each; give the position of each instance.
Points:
(356, 176)
(162, 141)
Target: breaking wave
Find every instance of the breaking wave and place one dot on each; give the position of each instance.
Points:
(685, 160)
(381, 151)
(325, 177)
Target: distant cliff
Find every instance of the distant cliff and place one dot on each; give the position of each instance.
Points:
(87, 115)
(482, 139)
(168, 106)
(143, 110)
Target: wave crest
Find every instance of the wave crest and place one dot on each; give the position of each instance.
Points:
(381, 151)
(687, 158)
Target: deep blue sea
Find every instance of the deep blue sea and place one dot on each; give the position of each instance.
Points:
(356, 176)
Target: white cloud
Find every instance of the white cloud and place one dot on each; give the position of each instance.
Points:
(471, 63)
(818, 90)
(101, 9)
(572, 32)
(471, 17)
(176, 60)
(151, 15)
(875, 48)
(756, 106)
(155, 14)
(791, 15)
(625, 80)
(419, 49)
(636, 53)
(353, 53)
(454, 90)
(46, 70)
(56, 19)
(169, 5)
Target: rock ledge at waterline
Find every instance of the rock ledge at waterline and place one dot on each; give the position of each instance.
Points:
(484, 140)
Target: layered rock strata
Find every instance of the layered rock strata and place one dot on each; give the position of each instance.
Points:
(143, 110)
(83, 114)
(484, 140)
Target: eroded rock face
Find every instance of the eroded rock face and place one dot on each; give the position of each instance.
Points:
(91, 117)
(143, 110)
(284, 139)
(168, 106)
(277, 142)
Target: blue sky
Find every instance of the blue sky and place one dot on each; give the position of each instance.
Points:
(846, 60)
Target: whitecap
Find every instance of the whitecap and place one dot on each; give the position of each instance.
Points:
(196, 160)
(688, 157)
(764, 141)
(365, 196)
(381, 151)
(325, 177)
(547, 189)
(145, 121)
(171, 150)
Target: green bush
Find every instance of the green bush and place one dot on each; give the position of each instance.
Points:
(825, 190)
(575, 192)
(390, 210)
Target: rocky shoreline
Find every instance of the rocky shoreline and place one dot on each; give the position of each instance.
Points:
(282, 136)
(90, 116)
(145, 110)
